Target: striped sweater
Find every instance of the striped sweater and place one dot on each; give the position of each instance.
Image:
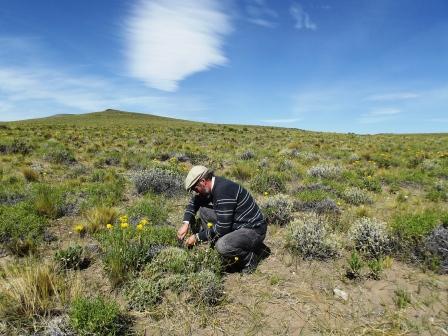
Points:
(235, 208)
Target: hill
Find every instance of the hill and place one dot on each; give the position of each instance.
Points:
(90, 204)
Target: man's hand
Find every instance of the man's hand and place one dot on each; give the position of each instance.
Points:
(191, 241)
(182, 232)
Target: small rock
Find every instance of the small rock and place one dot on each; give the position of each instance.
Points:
(340, 294)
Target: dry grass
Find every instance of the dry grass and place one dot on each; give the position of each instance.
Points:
(32, 290)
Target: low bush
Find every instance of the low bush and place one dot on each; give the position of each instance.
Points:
(413, 227)
(158, 181)
(325, 171)
(356, 196)
(277, 210)
(96, 316)
(205, 287)
(125, 247)
(21, 229)
(308, 237)
(196, 272)
(268, 182)
(325, 206)
(55, 152)
(152, 207)
(247, 155)
(71, 258)
(437, 245)
(369, 236)
(16, 146)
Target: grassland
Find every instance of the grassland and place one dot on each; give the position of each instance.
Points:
(89, 206)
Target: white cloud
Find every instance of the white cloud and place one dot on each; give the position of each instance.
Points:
(379, 115)
(302, 18)
(169, 40)
(281, 121)
(384, 111)
(393, 96)
(34, 92)
(260, 14)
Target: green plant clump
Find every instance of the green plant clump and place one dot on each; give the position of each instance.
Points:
(71, 258)
(126, 250)
(96, 316)
(21, 229)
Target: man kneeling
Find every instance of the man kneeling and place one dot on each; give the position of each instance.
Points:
(229, 217)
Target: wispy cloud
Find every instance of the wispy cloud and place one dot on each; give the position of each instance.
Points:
(169, 40)
(261, 14)
(379, 115)
(302, 18)
(393, 96)
(281, 121)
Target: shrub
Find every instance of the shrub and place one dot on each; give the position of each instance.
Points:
(21, 229)
(158, 181)
(56, 153)
(125, 250)
(437, 245)
(205, 287)
(413, 227)
(96, 316)
(325, 171)
(356, 196)
(247, 155)
(277, 210)
(143, 293)
(71, 258)
(16, 146)
(308, 237)
(170, 260)
(369, 237)
(48, 201)
(152, 207)
(268, 182)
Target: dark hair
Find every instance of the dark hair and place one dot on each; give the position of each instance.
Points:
(208, 175)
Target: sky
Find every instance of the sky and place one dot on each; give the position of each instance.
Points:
(358, 66)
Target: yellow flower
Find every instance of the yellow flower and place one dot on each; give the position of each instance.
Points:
(209, 225)
(144, 221)
(139, 227)
(369, 177)
(79, 228)
(237, 258)
(124, 225)
(124, 218)
(265, 193)
(109, 226)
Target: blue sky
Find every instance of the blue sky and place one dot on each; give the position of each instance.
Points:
(347, 66)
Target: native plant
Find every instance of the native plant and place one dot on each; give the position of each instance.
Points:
(309, 237)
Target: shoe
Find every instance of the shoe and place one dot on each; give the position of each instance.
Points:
(263, 251)
(251, 263)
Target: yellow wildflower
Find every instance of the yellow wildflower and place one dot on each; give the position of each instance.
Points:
(124, 225)
(209, 225)
(144, 221)
(139, 227)
(124, 218)
(109, 226)
(79, 228)
(265, 193)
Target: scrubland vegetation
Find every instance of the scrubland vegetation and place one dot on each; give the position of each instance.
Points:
(90, 204)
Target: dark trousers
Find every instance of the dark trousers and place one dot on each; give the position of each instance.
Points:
(239, 243)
